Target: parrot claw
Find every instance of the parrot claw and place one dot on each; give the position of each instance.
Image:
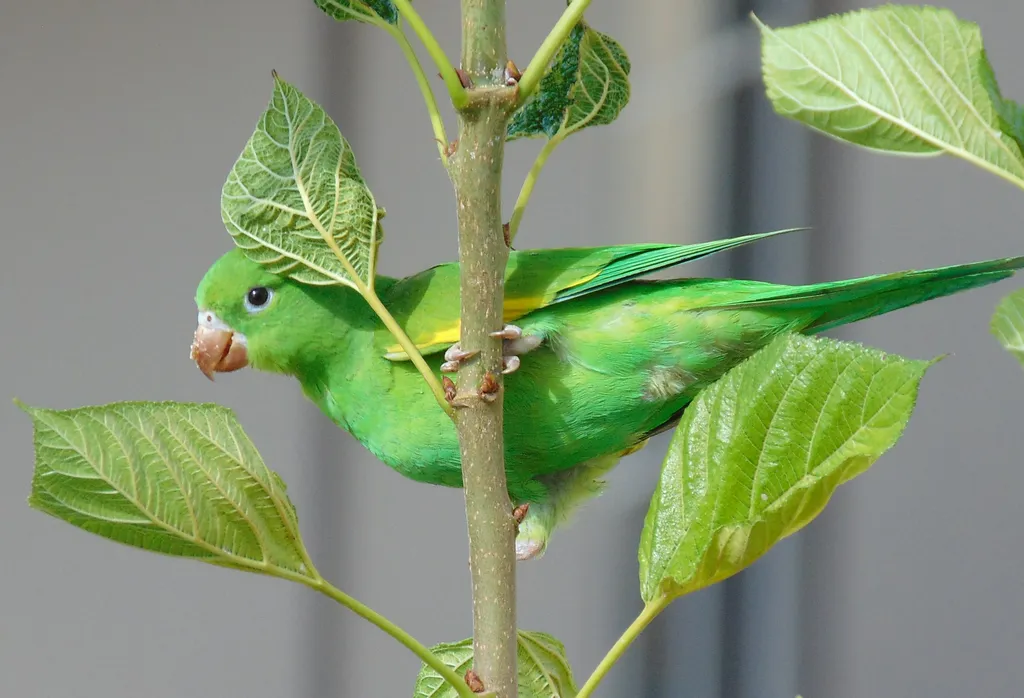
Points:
(509, 332)
(532, 531)
(455, 353)
(453, 358)
(529, 549)
(514, 345)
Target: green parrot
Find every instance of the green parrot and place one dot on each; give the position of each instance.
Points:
(607, 360)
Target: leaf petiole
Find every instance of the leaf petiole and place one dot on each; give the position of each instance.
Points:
(549, 47)
(531, 180)
(370, 296)
(650, 612)
(410, 349)
(451, 79)
(412, 644)
(424, 84)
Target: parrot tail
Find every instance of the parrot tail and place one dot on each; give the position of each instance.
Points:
(842, 302)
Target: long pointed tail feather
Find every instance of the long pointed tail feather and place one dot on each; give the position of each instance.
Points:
(842, 302)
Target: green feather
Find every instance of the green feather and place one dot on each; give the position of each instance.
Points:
(618, 360)
(637, 261)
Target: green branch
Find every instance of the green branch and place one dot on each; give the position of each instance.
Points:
(451, 79)
(410, 349)
(530, 182)
(475, 169)
(412, 644)
(649, 613)
(408, 346)
(549, 47)
(424, 84)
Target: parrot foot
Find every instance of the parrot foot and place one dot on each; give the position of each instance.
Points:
(454, 357)
(514, 345)
(532, 532)
(529, 549)
(509, 332)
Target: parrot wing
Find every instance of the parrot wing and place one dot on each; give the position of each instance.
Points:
(427, 305)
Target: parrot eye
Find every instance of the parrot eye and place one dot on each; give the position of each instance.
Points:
(257, 298)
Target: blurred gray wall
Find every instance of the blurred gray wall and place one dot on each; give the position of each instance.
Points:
(916, 589)
(122, 120)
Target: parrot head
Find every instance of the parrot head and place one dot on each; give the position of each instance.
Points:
(246, 317)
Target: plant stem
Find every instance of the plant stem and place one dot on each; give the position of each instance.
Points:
(371, 298)
(529, 182)
(649, 613)
(444, 66)
(475, 169)
(410, 349)
(549, 47)
(424, 84)
(429, 658)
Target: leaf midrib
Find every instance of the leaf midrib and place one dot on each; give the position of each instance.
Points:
(898, 121)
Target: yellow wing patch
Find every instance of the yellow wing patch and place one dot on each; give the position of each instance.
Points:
(444, 337)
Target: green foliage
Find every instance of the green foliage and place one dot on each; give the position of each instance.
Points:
(295, 201)
(174, 478)
(587, 84)
(758, 454)
(543, 669)
(910, 80)
(1008, 324)
(369, 11)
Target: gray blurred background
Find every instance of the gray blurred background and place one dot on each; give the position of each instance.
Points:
(120, 120)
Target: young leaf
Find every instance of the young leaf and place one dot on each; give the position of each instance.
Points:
(1008, 324)
(587, 84)
(176, 478)
(911, 80)
(369, 11)
(543, 669)
(295, 200)
(758, 454)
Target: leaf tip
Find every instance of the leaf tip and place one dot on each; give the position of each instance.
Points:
(274, 75)
(27, 409)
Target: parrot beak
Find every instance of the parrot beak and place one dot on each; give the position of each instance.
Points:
(216, 348)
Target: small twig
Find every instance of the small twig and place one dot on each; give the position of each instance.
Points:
(549, 47)
(649, 613)
(456, 90)
(528, 184)
(436, 121)
(371, 298)
(318, 583)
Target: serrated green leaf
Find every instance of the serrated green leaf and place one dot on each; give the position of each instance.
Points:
(1011, 119)
(369, 11)
(758, 454)
(910, 80)
(587, 84)
(296, 192)
(543, 670)
(180, 479)
(1008, 324)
